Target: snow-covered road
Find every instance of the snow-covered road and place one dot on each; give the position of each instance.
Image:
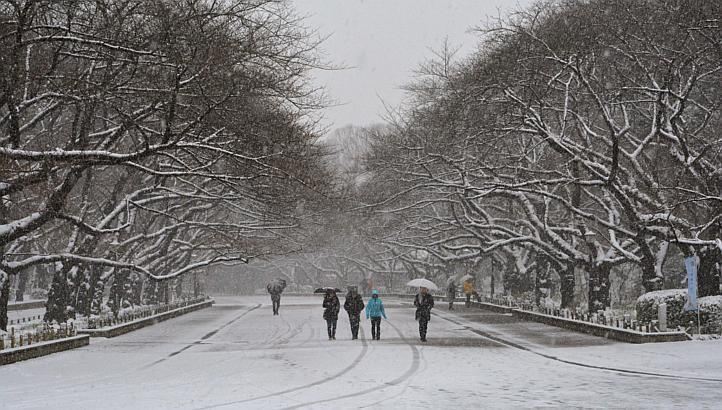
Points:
(237, 355)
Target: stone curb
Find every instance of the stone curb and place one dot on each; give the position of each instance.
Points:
(39, 349)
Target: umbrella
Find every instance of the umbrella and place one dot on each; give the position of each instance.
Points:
(423, 283)
(466, 277)
(326, 289)
(276, 286)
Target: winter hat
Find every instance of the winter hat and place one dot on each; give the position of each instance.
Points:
(374, 292)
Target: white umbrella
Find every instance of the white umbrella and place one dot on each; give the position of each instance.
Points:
(423, 283)
(466, 277)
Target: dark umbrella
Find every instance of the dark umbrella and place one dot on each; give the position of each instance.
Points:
(327, 289)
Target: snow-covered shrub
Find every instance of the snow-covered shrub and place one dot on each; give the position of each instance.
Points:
(710, 309)
(648, 303)
(711, 314)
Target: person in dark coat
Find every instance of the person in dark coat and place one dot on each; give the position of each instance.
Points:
(451, 294)
(332, 306)
(353, 305)
(424, 302)
(275, 288)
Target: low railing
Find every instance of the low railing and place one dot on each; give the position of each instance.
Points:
(26, 319)
(13, 339)
(110, 319)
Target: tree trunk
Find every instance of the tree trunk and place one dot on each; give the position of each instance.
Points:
(4, 299)
(708, 273)
(58, 297)
(91, 294)
(196, 285)
(179, 287)
(541, 281)
(650, 280)
(567, 284)
(599, 287)
(80, 288)
(150, 294)
(22, 285)
(136, 289)
(97, 300)
(116, 296)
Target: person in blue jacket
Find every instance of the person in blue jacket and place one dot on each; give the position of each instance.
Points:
(374, 311)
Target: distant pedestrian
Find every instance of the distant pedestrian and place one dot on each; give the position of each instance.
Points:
(353, 305)
(332, 306)
(424, 302)
(451, 294)
(468, 291)
(275, 288)
(375, 311)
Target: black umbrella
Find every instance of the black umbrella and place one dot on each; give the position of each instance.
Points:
(278, 283)
(327, 289)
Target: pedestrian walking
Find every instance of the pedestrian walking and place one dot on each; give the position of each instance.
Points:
(331, 307)
(375, 311)
(275, 288)
(468, 291)
(353, 305)
(451, 294)
(424, 302)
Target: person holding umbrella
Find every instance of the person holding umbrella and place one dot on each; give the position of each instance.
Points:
(331, 307)
(469, 289)
(424, 302)
(275, 288)
(374, 311)
(353, 305)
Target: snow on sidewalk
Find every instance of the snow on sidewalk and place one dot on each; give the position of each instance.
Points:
(693, 359)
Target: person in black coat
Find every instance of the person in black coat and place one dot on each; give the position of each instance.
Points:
(353, 305)
(424, 302)
(275, 288)
(332, 306)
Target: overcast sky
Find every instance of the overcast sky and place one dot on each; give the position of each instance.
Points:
(383, 41)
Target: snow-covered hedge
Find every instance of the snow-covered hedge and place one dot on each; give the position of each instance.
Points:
(710, 309)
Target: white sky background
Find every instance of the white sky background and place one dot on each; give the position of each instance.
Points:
(382, 42)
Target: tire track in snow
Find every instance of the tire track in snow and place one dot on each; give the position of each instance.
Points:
(205, 337)
(415, 364)
(319, 382)
(85, 380)
(627, 372)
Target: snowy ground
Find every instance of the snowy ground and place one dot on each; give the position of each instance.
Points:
(237, 355)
